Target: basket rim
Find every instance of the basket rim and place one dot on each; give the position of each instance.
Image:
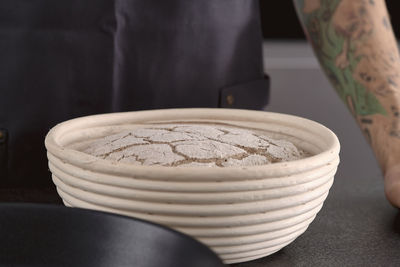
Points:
(90, 162)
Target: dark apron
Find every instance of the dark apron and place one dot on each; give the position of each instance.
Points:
(68, 58)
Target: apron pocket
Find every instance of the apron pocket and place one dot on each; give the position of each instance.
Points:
(249, 95)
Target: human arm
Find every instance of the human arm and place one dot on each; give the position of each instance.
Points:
(355, 45)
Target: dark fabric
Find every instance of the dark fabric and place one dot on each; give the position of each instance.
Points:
(69, 58)
(47, 235)
(237, 96)
(3, 150)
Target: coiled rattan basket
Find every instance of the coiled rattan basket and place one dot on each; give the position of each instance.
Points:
(242, 213)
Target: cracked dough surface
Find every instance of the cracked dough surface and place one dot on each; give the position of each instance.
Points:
(189, 145)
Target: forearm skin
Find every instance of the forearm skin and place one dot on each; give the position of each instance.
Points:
(355, 45)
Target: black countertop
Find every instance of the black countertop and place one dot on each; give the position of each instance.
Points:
(356, 226)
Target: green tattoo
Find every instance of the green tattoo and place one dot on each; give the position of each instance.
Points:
(329, 44)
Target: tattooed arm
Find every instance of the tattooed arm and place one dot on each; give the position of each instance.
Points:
(354, 43)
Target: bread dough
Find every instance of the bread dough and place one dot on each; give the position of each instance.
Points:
(188, 145)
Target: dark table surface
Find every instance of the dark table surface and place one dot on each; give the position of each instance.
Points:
(356, 226)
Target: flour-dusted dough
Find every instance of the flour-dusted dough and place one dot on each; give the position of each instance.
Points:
(189, 145)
